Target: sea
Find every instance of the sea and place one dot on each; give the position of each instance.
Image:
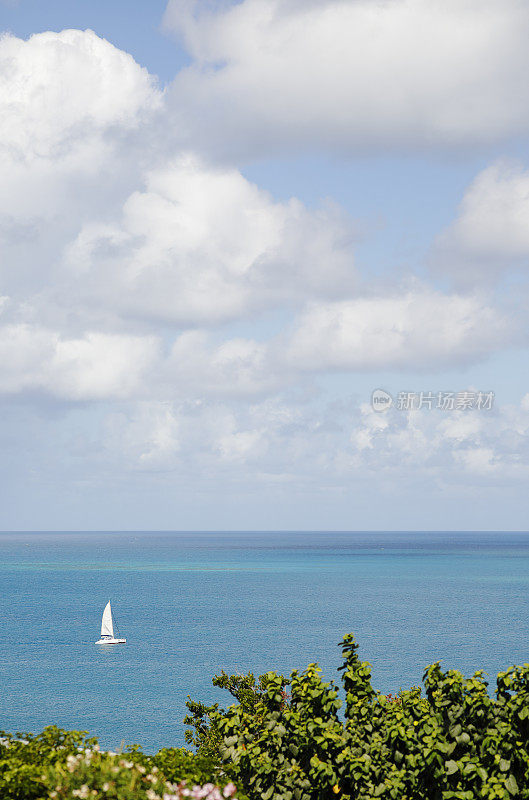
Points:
(193, 604)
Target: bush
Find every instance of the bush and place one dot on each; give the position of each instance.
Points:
(294, 739)
(454, 743)
(64, 765)
(178, 764)
(92, 774)
(23, 758)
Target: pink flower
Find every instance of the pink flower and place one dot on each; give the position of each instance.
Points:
(229, 789)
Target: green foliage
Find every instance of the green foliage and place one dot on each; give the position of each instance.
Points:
(177, 764)
(204, 732)
(63, 765)
(295, 739)
(91, 774)
(454, 743)
(23, 758)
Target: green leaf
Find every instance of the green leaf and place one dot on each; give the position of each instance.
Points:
(511, 785)
(505, 765)
(451, 767)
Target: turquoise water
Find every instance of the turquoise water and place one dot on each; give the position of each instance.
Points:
(193, 604)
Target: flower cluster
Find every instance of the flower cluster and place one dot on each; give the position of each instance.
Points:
(206, 792)
(92, 775)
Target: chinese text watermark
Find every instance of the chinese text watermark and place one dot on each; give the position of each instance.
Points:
(444, 401)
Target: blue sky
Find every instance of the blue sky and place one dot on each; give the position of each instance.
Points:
(223, 226)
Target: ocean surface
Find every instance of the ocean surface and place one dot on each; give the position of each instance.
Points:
(192, 604)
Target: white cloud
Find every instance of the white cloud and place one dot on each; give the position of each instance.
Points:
(269, 439)
(239, 446)
(415, 329)
(163, 436)
(491, 232)
(470, 448)
(73, 115)
(148, 437)
(60, 90)
(201, 245)
(101, 258)
(236, 367)
(97, 366)
(101, 222)
(349, 75)
(275, 441)
(419, 328)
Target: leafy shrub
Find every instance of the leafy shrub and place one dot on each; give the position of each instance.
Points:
(92, 774)
(204, 732)
(293, 739)
(454, 743)
(177, 764)
(23, 757)
(64, 765)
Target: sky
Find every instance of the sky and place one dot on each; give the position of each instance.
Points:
(224, 225)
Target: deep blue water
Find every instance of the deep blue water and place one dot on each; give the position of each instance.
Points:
(193, 604)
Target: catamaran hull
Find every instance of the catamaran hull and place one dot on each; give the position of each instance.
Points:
(111, 641)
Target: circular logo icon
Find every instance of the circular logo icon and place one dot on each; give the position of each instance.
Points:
(381, 400)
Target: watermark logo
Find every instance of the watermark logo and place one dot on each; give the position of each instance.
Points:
(443, 401)
(381, 400)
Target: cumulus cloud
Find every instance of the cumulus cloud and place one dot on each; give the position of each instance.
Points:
(235, 367)
(201, 244)
(70, 103)
(164, 436)
(419, 328)
(99, 228)
(468, 447)
(274, 440)
(491, 232)
(414, 329)
(73, 113)
(269, 74)
(271, 438)
(58, 90)
(97, 366)
(124, 260)
(149, 438)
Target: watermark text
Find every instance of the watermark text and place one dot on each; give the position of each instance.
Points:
(443, 401)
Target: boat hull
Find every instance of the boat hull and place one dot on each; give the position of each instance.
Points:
(111, 641)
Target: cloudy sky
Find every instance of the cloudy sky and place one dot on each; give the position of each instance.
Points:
(224, 224)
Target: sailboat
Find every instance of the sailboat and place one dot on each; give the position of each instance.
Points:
(107, 628)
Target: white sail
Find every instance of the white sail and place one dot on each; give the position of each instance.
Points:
(107, 628)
